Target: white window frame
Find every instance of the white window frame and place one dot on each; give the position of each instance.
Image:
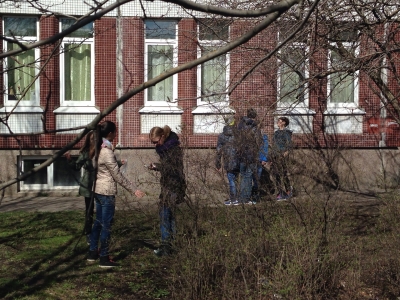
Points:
(29, 39)
(162, 42)
(342, 107)
(212, 43)
(297, 105)
(83, 41)
(50, 177)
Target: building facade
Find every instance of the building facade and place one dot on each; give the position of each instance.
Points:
(65, 84)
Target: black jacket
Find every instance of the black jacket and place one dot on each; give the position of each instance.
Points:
(226, 149)
(172, 179)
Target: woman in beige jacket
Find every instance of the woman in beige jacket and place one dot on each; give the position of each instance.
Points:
(108, 175)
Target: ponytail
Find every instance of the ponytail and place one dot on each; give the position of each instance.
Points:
(156, 132)
(167, 131)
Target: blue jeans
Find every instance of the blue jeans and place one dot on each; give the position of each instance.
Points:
(256, 177)
(167, 224)
(232, 180)
(246, 180)
(105, 208)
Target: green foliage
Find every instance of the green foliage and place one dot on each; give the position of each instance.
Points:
(309, 248)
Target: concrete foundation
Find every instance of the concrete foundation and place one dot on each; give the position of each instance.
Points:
(366, 170)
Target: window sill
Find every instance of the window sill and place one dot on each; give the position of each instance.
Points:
(344, 111)
(76, 110)
(161, 110)
(294, 111)
(22, 109)
(213, 109)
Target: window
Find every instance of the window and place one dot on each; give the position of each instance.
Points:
(213, 75)
(22, 69)
(342, 83)
(160, 56)
(292, 86)
(343, 116)
(77, 66)
(293, 74)
(56, 176)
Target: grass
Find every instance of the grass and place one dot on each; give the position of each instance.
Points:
(306, 249)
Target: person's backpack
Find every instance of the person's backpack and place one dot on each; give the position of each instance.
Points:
(248, 139)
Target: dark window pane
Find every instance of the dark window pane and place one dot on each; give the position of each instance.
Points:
(85, 31)
(37, 178)
(64, 175)
(212, 30)
(160, 29)
(20, 26)
(344, 34)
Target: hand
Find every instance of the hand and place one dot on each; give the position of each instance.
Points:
(67, 155)
(123, 161)
(139, 193)
(151, 166)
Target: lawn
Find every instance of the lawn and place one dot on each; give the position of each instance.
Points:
(308, 248)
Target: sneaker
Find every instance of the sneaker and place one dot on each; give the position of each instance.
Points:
(250, 202)
(235, 202)
(229, 202)
(93, 255)
(163, 250)
(281, 198)
(106, 262)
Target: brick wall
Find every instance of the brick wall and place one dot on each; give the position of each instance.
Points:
(258, 90)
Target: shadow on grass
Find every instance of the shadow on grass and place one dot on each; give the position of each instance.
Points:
(29, 232)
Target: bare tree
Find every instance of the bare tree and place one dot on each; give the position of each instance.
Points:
(263, 15)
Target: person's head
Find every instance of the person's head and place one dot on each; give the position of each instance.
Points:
(229, 120)
(158, 135)
(251, 113)
(283, 122)
(106, 130)
(88, 140)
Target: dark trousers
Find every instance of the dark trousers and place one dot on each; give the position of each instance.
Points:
(89, 210)
(167, 224)
(280, 171)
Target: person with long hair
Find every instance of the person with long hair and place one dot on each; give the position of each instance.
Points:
(86, 181)
(172, 181)
(105, 190)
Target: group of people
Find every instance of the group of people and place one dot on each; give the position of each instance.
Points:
(98, 185)
(243, 148)
(246, 154)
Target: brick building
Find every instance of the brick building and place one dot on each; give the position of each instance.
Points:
(96, 64)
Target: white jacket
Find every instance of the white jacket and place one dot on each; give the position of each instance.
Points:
(108, 174)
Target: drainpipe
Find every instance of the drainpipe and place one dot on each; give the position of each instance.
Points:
(383, 114)
(383, 111)
(119, 74)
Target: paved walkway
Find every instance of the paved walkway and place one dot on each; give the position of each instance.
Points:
(65, 203)
(61, 203)
(42, 203)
